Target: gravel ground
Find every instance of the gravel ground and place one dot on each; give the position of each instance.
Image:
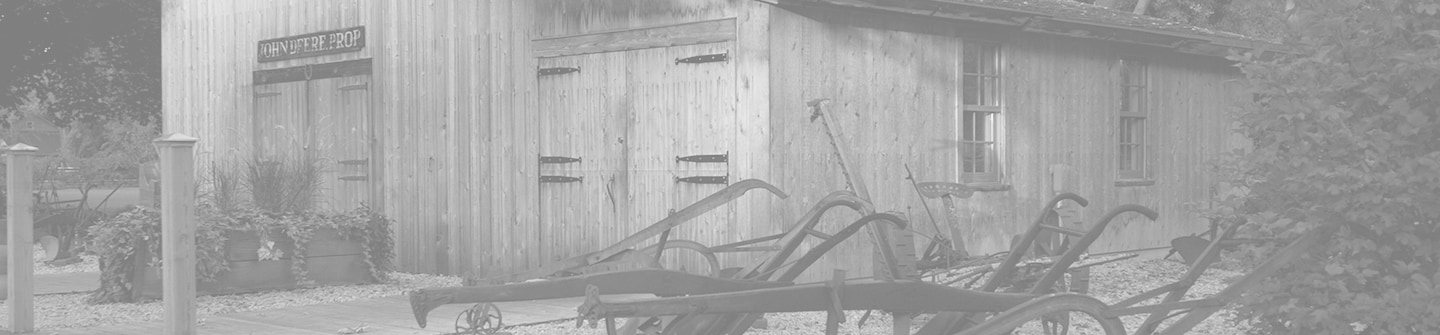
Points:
(62, 311)
(88, 263)
(1110, 283)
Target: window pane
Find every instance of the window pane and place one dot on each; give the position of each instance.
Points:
(981, 123)
(971, 89)
(991, 87)
(971, 59)
(989, 62)
(971, 157)
(1136, 96)
(1136, 73)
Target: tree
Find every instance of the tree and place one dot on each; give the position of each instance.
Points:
(93, 67)
(98, 60)
(1347, 132)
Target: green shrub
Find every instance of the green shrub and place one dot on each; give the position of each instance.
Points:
(118, 239)
(1346, 132)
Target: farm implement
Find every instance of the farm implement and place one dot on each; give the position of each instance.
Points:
(729, 300)
(1024, 285)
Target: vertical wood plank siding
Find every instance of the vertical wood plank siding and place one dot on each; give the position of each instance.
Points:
(457, 122)
(663, 110)
(460, 145)
(440, 68)
(892, 81)
(209, 55)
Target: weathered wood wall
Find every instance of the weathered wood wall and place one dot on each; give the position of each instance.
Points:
(439, 70)
(893, 82)
(210, 54)
(456, 116)
(457, 83)
(722, 111)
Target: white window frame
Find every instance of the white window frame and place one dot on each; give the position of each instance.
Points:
(1132, 155)
(992, 141)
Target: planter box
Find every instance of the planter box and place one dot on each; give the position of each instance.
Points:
(329, 260)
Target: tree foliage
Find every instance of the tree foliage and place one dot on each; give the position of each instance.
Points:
(1347, 131)
(97, 60)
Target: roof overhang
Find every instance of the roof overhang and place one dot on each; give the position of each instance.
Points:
(1038, 22)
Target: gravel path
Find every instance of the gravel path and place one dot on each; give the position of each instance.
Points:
(1110, 283)
(88, 263)
(61, 311)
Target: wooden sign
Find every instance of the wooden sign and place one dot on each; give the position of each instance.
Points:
(312, 44)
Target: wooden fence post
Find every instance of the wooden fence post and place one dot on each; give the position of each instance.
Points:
(21, 237)
(177, 231)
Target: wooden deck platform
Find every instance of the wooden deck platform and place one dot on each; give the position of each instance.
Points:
(388, 315)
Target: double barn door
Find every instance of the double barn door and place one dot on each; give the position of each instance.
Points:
(628, 137)
(324, 118)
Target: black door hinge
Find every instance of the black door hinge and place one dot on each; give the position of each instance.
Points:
(550, 71)
(711, 58)
(560, 179)
(715, 158)
(558, 159)
(704, 180)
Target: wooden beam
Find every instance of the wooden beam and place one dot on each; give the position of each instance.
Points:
(21, 288)
(906, 296)
(177, 231)
(633, 39)
(647, 281)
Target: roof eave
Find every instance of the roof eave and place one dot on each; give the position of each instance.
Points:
(1049, 24)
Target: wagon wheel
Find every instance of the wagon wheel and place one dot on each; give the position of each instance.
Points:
(483, 318)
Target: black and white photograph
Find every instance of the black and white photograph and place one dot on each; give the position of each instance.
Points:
(720, 167)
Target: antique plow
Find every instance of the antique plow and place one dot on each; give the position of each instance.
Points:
(738, 308)
(1193, 311)
(950, 322)
(707, 204)
(672, 283)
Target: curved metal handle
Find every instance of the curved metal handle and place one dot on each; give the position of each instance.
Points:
(1017, 251)
(1058, 269)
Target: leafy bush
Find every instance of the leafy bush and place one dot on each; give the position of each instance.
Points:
(1345, 133)
(118, 240)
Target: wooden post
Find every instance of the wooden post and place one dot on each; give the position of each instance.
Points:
(21, 238)
(177, 231)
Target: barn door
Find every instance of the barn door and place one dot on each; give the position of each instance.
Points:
(280, 120)
(684, 109)
(583, 186)
(626, 138)
(322, 112)
(340, 119)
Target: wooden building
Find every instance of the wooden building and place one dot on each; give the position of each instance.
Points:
(458, 118)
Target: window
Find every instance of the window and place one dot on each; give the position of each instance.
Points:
(979, 120)
(1133, 110)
